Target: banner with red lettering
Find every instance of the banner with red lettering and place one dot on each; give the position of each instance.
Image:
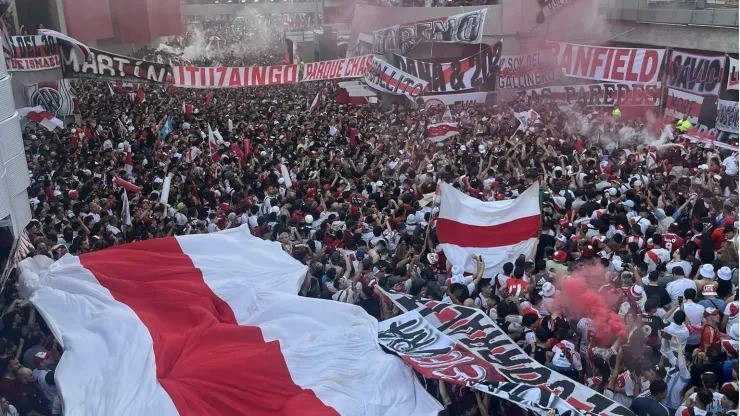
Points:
(354, 67)
(628, 65)
(733, 76)
(680, 104)
(693, 73)
(526, 71)
(233, 77)
(605, 94)
(33, 53)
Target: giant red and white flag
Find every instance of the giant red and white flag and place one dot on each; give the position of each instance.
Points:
(40, 116)
(438, 132)
(499, 231)
(204, 325)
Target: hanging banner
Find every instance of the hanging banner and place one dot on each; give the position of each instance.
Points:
(629, 65)
(679, 104)
(459, 75)
(604, 94)
(458, 28)
(233, 77)
(551, 7)
(733, 76)
(478, 333)
(385, 77)
(727, 114)
(527, 71)
(33, 53)
(110, 66)
(57, 97)
(355, 67)
(697, 74)
(464, 98)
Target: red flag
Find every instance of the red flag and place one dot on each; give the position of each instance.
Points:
(352, 136)
(187, 109)
(209, 98)
(247, 147)
(239, 154)
(140, 95)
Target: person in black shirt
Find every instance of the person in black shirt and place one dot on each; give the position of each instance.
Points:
(652, 406)
(652, 289)
(369, 302)
(651, 324)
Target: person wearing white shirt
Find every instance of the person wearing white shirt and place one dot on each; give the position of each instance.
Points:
(677, 329)
(694, 316)
(730, 164)
(679, 285)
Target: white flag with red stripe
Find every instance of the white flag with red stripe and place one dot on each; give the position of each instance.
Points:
(499, 231)
(40, 116)
(438, 132)
(204, 325)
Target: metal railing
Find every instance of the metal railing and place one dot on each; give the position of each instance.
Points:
(721, 13)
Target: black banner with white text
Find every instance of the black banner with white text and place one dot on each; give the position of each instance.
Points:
(111, 67)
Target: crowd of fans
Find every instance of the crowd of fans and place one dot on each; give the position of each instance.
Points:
(349, 191)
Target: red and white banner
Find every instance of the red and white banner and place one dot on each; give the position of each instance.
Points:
(233, 77)
(527, 71)
(733, 75)
(499, 231)
(203, 325)
(40, 116)
(33, 53)
(604, 94)
(354, 67)
(629, 65)
(463, 98)
(438, 132)
(679, 104)
(693, 73)
(387, 78)
(727, 116)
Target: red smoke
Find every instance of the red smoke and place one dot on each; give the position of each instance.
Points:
(579, 298)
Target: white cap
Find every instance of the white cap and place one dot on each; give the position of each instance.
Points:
(457, 269)
(706, 270)
(481, 149)
(411, 219)
(275, 209)
(725, 273)
(308, 219)
(379, 184)
(629, 203)
(548, 290)
(463, 147)
(281, 181)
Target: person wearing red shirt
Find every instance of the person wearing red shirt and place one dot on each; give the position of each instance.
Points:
(672, 242)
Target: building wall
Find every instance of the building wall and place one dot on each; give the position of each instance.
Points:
(14, 179)
(248, 9)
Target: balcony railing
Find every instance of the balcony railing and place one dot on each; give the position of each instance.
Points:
(697, 12)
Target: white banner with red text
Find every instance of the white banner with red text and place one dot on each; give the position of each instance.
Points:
(33, 53)
(680, 104)
(355, 67)
(628, 65)
(387, 78)
(698, 74)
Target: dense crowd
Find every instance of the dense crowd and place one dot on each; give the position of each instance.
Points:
(349, 191)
